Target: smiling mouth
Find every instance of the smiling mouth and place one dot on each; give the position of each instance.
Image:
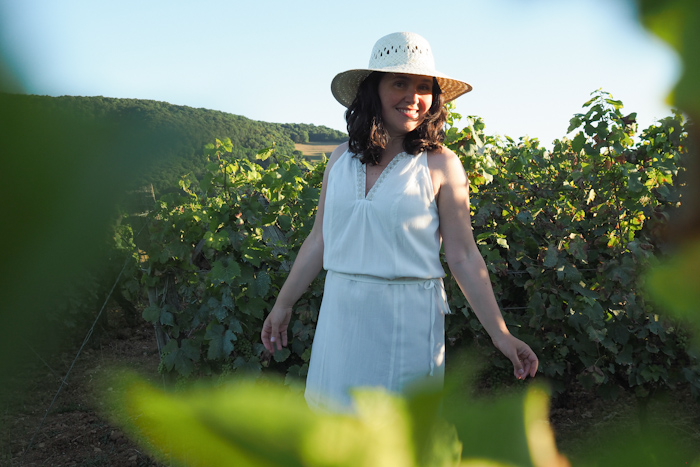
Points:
(412, 113)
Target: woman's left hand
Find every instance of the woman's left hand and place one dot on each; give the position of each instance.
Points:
(519, 353)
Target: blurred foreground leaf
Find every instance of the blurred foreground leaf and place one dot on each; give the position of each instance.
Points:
(675, 284)
(505, 429)
(676, 22)
(63, 175)
(249, 423)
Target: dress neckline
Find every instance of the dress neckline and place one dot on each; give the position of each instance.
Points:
(362, 177)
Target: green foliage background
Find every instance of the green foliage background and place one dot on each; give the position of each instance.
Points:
(566, 235)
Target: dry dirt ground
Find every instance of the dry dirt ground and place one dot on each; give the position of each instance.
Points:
(75, 434)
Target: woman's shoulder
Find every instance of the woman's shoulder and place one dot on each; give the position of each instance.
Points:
(446, 169)
(442, 159)
(340, 150)
(335, 155)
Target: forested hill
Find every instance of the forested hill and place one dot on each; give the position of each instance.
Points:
(188, 129)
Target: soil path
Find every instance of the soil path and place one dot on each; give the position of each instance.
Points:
(73, 433)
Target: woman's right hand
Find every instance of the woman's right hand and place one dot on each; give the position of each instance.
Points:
(307, 265)
(274, 330)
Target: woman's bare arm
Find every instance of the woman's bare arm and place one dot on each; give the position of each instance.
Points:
(307, 265)
(465, 261)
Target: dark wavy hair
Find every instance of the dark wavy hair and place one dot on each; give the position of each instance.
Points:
(368, 137)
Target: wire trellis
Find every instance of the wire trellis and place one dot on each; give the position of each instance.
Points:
(64, 380)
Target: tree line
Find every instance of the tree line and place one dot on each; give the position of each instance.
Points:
(188, 130)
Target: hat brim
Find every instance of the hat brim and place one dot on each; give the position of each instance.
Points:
(344, 86)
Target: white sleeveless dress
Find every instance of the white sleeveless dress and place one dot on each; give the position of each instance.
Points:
(381, 322)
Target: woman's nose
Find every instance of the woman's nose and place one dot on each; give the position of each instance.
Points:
(412, 96)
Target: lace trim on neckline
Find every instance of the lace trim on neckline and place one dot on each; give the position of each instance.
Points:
(362, 177)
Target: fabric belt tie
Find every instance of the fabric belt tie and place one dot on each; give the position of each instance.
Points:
(439, 302)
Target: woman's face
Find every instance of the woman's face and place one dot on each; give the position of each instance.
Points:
(405, 100)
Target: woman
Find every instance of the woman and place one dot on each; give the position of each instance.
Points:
(390, 197)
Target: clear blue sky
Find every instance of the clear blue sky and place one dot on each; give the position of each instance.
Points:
(532, 63)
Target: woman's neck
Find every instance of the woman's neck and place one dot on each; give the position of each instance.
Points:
(393, 147)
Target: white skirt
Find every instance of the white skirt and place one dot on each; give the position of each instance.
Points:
(374, 332)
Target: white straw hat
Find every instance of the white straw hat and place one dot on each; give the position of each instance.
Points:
(400, 52)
